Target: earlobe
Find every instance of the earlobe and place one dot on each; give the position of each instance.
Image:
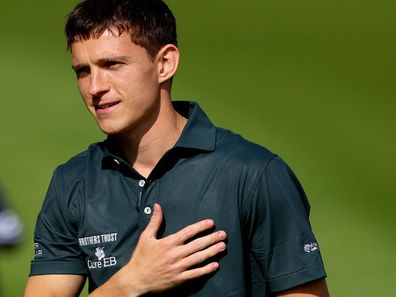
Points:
(168, 61)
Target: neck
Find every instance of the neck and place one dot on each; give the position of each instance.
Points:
(144, 146)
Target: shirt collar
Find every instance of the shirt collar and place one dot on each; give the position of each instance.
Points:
(198, 134)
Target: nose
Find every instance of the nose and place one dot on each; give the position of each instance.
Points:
(98, 83)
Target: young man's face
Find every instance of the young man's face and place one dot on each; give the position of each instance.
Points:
(118, 81)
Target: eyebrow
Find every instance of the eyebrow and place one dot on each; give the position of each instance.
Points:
(102, 61)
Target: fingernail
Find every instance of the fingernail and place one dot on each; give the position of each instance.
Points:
(222, 235)
(221, 245)
(209, 223)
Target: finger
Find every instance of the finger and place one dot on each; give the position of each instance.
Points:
(190, 231)
(203, 255)
(200, 271)
(155, 221)
(202, 243)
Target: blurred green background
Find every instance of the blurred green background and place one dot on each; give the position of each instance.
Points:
(311, 80)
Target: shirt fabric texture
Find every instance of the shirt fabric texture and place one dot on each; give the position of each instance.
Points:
(97, 205)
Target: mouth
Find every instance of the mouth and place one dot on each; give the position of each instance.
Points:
(103, 107)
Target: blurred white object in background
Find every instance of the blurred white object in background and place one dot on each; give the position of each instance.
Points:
(11, 228)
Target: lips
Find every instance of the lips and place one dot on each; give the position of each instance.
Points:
(104, 106)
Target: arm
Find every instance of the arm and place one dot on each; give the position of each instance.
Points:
(156, 264)
(283, 244)
(54, 285)
(316, 288)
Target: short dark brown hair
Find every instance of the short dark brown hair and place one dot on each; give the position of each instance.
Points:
(150, 23)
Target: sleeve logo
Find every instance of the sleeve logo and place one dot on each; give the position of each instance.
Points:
(311, 247)
(38, 252)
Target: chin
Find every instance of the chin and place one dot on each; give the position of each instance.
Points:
(109, 130)
(112, 130)
(107, 126)
(119, 127)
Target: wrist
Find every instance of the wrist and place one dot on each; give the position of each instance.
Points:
(128, 282)
(121, 284)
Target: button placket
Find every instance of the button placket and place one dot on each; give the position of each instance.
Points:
(141, 184)
(146, 204)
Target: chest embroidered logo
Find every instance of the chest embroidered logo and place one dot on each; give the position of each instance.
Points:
(100, 253)
(97, 239)
(102, 261)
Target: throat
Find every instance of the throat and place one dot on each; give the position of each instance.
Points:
(144, 153)
(143, 171)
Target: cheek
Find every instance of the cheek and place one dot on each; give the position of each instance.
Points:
(83, 86)
(147, 84)
(143, 75)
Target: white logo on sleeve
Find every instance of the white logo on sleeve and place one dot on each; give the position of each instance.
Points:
(102, 261)
(311, 247)
(38, 252)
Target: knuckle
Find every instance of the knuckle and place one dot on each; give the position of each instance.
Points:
(172, 257)
(213, 252)
(188, 232)
(205, 270)
(203, 257)
(213, 238)
(178, 279)
(200, 257)
(167, 242)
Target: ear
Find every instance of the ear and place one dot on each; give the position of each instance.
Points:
(167, 61)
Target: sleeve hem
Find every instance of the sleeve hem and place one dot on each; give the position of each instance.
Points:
(58, 267)
(298, 278)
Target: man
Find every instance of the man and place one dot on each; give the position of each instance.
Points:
(168, 204)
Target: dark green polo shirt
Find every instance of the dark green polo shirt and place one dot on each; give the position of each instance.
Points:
(97, 205)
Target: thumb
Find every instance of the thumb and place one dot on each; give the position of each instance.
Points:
(155, 221)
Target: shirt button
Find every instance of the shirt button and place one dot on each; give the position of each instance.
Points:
(142, 183)
(147, 210)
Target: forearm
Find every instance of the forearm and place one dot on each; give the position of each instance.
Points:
(54, 285)
(121, 284)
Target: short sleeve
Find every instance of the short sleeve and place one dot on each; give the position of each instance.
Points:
(55, 238)
(284, 251)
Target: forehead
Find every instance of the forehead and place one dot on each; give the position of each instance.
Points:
(105, 46)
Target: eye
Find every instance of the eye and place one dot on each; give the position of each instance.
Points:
(82, 71)
(112, 64)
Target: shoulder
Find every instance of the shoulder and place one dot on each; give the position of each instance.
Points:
(262, 167)
(243, 151)
(77, 167)
(66, 190)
